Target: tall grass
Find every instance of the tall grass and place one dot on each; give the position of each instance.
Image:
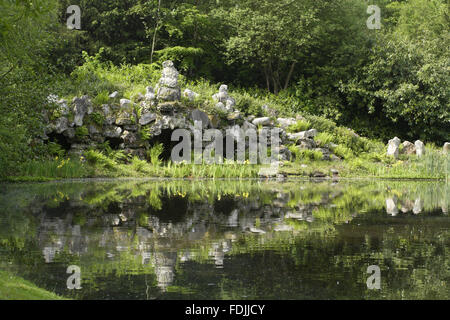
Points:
(56, 168)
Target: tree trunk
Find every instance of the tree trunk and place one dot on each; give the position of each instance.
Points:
(266, 74)
(288, 78)
(274, 82)
(154, 34)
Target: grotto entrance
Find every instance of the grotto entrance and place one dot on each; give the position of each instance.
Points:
(165, 138)
(60, 139)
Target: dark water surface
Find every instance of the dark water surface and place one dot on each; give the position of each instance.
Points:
(146, 239)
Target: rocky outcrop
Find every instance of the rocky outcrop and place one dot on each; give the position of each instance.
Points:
(225, 103)
(133, 125)
(168, 88)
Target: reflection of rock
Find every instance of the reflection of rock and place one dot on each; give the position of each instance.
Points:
(418, 206)
(165, 268)
(391, 206)
(407, 206)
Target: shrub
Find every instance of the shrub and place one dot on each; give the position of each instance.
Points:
(97, 158)
(324, 138)
(301, 125)
(138, 164)
(154, 153)
(305, 154)
(343, 152)
(101, 98)
(97, 118)
(54, 149)
(81, 132)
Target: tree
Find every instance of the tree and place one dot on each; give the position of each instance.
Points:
(270, 35)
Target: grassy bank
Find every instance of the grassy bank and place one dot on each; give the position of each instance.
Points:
(99, 165)
(16, 288)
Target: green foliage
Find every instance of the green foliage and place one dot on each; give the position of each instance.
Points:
(55, 150)
(145, 133)
(155, 152)
(324, 138)
(184, 57)
(101, 98)
(301, 125)
(97, 118)
(81, 132)
(97, 158)
(343, 152)
(138, 164)
(305, 154)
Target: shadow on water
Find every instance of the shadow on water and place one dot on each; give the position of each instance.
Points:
(229, 239)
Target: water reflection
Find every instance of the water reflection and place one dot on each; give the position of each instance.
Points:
(229, 239)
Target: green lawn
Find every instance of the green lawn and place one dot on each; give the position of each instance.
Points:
(16, 288)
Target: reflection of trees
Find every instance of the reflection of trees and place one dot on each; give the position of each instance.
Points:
(114, 228)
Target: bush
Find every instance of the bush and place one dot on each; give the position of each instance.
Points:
(101, 98)
(81, 132)
(138, 164)
(154, 153)
(96, 158)
(301, 125)
(343, 152)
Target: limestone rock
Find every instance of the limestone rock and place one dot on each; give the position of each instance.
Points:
(61, 125)
(224, 101)
(82, 106)
(420, 148)
(446, 148)
(248, 125)
(114, 95)
(129, 139)
(190, 95)
(286, 122)
(147, 118)
(63, 108)
(201, 117)
(124, 118)
(307, 143)
(264, 121)
(150, 95)
(93, 130)
(309, 134)
(408, 148)
(393, 147)
(112, 132)
(236, 115)
(69, 134)
(168, 88)
(125, 103)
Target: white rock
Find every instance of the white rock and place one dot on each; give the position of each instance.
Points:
(190, 95)
(264, 121)
(393, 149)
(125, 103)
(446, 147)
(420, 148)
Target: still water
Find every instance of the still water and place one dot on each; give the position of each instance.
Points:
(175, 239)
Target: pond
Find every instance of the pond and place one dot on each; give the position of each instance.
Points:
(226, 239)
